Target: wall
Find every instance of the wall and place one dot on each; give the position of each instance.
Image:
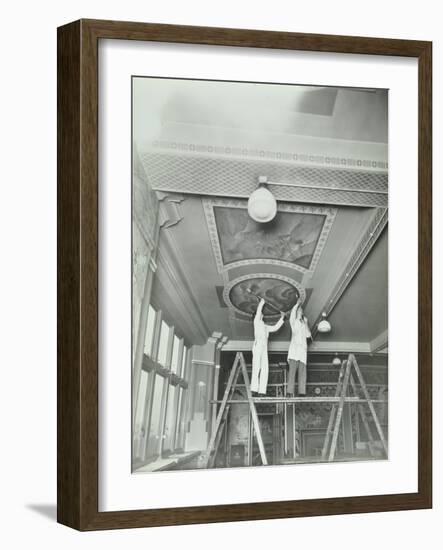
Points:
(27, 292)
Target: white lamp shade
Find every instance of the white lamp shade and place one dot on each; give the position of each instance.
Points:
(324, 326)
(262, 206)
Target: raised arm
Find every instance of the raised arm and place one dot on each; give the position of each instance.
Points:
(293, 315)
(258, 313)
(278, 324)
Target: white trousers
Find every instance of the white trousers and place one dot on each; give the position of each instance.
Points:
(260, 368)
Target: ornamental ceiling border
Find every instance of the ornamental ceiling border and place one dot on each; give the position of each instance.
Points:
(260, 153)
(220, 175)
(208, 207)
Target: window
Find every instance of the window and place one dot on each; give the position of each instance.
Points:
(180, 420)
(154, 428)
(170, 418)
(150, 330)
(139, 426)
(175, 358)
(182, 372)
(170, 352)
(163, 344)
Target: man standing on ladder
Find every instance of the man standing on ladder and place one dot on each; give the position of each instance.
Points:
(260, 364)
(298, 350)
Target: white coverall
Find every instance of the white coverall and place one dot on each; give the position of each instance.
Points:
(298, 351)
(260, 365)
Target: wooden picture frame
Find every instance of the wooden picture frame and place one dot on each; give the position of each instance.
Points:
(78, 273)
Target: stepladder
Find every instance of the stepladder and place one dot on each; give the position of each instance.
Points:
(221, 423)
(346, 383)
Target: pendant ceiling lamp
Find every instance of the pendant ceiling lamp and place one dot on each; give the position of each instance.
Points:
(262, 206)
(324, 325)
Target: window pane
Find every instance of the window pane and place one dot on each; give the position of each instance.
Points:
(181, 420)
(154, 430)
(183, 365)
(174, 360)
(139, 428)
(163, 344)
(150, 330)
(170, 419)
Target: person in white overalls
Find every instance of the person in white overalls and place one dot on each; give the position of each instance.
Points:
(298, 350)
(260, 364)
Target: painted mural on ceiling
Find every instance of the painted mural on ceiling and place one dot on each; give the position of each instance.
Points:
(294, 238)
(290, 237)
(281, 294)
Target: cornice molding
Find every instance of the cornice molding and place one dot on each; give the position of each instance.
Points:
(352, 163)
(316, 346)
(168, 259)
(380, 342)
(236, 177)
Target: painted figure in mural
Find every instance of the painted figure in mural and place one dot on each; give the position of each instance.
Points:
(260, 365)
(298, 350)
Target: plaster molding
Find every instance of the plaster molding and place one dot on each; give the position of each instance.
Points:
(380, 342)
(169, 260)
(169, 211)
(152, 265)
(181, 147)
(203, 362)
(237, 177)
(282, 346)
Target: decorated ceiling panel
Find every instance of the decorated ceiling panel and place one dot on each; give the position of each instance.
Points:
(280, 294)
(295, 238)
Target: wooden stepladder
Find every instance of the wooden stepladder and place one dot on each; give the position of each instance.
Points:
(222, 415)
(345, 378)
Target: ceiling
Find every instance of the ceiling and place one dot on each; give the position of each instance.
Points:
(202, 145)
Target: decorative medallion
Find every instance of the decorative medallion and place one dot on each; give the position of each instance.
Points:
(280, 293)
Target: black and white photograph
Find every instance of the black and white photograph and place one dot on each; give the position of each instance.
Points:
(259, 274)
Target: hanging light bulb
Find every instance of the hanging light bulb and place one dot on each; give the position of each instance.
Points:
(336, 361)
(324, 325)
(262, 206)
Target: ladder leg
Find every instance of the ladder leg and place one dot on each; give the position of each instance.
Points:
(361, 410)
(223, 426)
(230, 386)
(370, 404)
(254, 416)
(324, 451)
(340, 411)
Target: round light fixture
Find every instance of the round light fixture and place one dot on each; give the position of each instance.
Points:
(324, 325)
(262, 206)
(336, 361)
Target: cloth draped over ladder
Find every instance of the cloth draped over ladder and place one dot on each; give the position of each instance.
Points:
(260, 364)
(298, 351)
